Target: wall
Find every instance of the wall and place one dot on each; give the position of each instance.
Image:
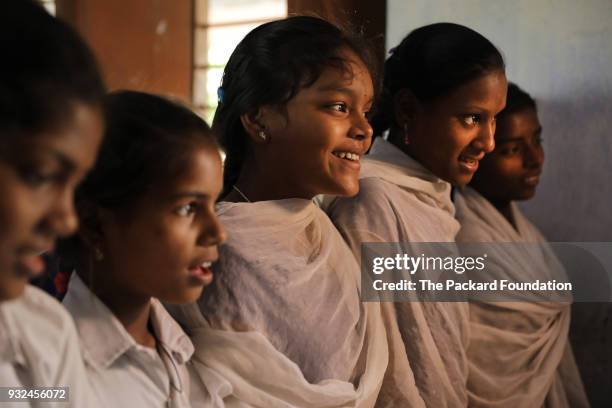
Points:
(141, 44)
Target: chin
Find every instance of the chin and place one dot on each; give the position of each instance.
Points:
(343, 188)
(526, 195)
(459, 180)
(189, 295)
(12, 289)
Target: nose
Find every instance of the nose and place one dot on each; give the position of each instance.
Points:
(534, 156)
(361, 129)
(62, 217)
(212, 232)
(485, 141)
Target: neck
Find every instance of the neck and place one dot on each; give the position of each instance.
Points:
(131, 309)
(505, 209)
(262, 183)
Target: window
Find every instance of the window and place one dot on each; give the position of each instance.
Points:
(219, 27)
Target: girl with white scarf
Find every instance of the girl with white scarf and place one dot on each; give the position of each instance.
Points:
(282, 324)
(444, 85)
(519, 353)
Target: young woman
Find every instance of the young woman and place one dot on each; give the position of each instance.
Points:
(50, 130)
(519, 354)
(283, 323)
(444, 85)
(148, 233)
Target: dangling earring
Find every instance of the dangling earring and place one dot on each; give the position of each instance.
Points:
(98, 255)
(406, 137)
(262, 135)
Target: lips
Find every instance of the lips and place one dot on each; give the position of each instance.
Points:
(347, 155)
(30, 266)
(469, 162)
(532, 180)
(30, 262)
(202, 272)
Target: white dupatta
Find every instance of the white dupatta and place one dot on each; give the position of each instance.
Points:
(282, 324)
(519, 353)
(401, 201)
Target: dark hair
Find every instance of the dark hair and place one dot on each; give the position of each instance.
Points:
(269, 67)
(46, 68)
(516, 101)
(147, 141)
(431, 62)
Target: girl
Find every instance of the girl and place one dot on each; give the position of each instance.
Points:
(148, 232)
(542, 371)
(444, 84)
(50, 129)
(283, 323)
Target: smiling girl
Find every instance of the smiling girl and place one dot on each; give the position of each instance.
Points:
(542, 371)
(444, 85)
(283, 322)
(148, 233)
(50, 131)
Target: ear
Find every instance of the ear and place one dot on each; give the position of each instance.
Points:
(406, 107)
(91, 221)
(254, 124)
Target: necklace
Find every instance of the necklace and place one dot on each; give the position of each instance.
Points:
(241, 193)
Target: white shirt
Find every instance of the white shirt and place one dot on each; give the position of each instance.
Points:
(39, 347)
(122, 372)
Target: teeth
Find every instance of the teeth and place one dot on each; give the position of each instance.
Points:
(206, 264)
(347, 155)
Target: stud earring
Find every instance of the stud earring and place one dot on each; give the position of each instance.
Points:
(98, 255)
(262, 135)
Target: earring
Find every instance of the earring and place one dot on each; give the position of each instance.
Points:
(98, 255)
(406, 137)
(262, 135)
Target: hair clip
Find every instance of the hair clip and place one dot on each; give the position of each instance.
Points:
(220, 94)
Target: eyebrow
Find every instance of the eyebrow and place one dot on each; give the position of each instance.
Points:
(64, 160)
(186, 194)
(518, 139)
(341, 89)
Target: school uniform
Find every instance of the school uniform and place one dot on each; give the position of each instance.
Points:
(39, 347)
(123, 373)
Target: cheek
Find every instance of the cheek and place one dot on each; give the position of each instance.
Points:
(20, 211)
(504, 171)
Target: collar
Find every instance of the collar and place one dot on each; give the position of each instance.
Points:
(103, 337)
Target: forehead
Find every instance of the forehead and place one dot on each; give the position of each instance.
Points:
(517, 124)
(487, 91)
(352, 76)
(198, 170)
(75, 141)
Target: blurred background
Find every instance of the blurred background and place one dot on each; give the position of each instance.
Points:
(560, 51)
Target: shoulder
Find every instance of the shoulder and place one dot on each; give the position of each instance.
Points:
(39, 312)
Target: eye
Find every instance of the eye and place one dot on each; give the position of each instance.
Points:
(339, 107)
(37, 178)
(186, 210)
(510, 150)
(472, 119)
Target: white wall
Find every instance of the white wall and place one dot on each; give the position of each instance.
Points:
(561, 53)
